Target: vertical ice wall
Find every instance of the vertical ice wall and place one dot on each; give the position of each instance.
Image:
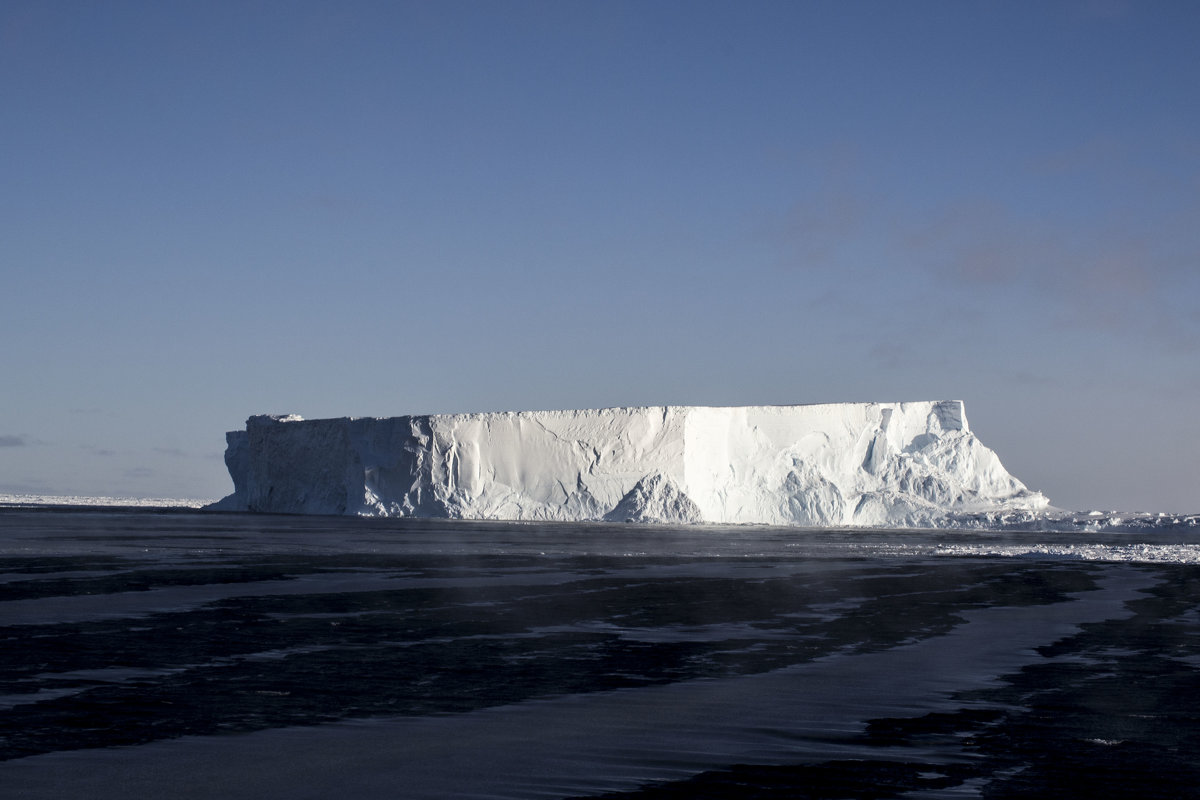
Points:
(851, 463)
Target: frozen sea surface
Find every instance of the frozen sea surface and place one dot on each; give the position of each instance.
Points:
(202, 655)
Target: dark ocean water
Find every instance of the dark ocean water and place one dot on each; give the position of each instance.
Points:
(192, 655)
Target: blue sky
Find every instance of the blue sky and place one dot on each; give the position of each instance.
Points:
(212, 210)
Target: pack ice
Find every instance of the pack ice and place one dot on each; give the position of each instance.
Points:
(902, 464)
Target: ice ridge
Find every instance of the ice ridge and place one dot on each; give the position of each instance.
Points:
(894, 464)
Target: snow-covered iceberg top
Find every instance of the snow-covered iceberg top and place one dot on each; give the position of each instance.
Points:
(894, 464)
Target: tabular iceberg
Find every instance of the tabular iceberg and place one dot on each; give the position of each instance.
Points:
(895, 464)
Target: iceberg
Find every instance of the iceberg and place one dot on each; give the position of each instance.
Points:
(845, 464)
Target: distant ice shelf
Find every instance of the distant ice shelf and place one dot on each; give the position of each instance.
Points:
(859, 464)
(98, 501)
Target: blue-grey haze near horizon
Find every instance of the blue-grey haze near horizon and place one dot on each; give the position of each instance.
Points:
(217, 209)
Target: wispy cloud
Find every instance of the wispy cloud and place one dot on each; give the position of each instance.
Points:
(1094, 153)
(1117, 277)
(1102, 239)
(821, 224)
(890, 355)
(830, 213)
(11, 440)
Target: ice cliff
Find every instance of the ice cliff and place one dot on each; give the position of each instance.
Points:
(901, 464)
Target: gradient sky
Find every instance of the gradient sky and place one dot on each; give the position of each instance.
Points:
(215, 209)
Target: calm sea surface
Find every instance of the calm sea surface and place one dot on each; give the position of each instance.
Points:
(200, 655)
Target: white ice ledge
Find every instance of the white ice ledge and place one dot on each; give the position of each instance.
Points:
(894, 464)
